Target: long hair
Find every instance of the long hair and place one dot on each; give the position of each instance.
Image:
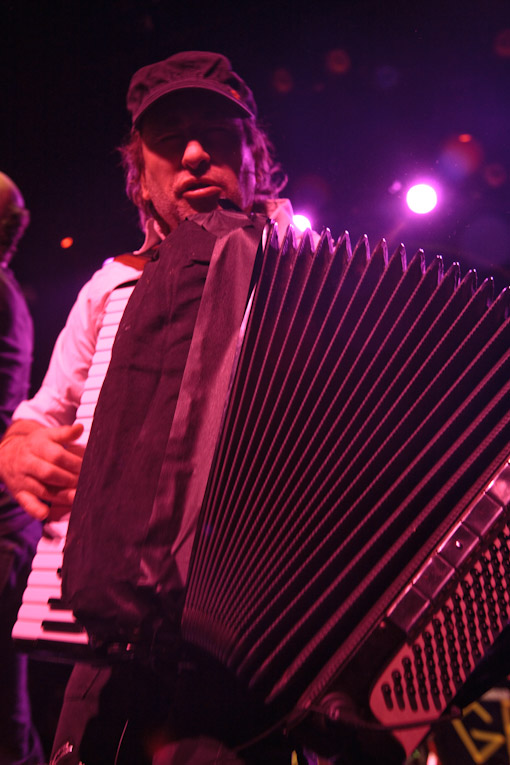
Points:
(269, 176)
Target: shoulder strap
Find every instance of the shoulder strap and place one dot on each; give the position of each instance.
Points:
(136, 261)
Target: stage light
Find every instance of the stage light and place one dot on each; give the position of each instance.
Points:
(421, 198)
(301, 222)
(66, 242)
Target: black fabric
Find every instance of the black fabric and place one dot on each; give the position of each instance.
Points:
(155, 428)
(126, 714)
(16, 345)
(19, 741)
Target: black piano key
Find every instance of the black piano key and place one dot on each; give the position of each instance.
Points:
(57, 604)
(52, 626)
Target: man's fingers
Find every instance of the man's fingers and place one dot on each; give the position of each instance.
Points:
(50, 474)
(46, 494)
(62, 497)
(50, 446)
(58, 461)
(33, 505)
(59, 509)
(76, 449)
(65, 433)
(42, 466)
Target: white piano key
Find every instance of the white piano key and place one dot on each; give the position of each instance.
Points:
(44, 577)
(32, 612)
(100, 370)
(31, 630)
(42, 594)
(101, 357)
(93, 382)
(107, 333)
(49, 557)
(112, 318)
(85, 411)
(90, 396)
(54, 531)
(105, 343)
(44, 581)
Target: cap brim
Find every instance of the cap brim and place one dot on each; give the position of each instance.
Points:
(168, 89)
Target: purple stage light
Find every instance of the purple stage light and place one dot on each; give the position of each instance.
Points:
(301, 222)
(421, 198)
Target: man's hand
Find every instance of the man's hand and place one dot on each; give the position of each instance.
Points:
(40, 466)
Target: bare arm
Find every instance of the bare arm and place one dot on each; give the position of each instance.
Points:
(41, 465)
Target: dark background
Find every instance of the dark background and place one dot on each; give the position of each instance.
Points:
(361, 99)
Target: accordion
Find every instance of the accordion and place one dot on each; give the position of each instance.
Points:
(351, 562)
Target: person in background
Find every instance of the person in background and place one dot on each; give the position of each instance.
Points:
(19, 532)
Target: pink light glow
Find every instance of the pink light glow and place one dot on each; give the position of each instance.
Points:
(421, 198)
(301, 222)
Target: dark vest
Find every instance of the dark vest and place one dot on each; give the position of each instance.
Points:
(155, 428)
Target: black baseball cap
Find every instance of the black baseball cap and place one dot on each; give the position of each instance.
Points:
(187, 71)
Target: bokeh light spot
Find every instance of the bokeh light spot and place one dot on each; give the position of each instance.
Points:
(421, 198)
(495, 175)
(282, 80)
(502, 44)
(461, 156)
(387, 77)
(301, 222)
(66, 242)
(338, 61)
(395, 187)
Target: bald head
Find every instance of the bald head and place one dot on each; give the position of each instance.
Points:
(14, 217)
(9, 194)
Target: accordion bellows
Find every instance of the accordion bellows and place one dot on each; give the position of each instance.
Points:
(369, 410)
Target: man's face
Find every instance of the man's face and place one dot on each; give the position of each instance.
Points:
(195, 153)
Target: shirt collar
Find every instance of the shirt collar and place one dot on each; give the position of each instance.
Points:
(279, 210)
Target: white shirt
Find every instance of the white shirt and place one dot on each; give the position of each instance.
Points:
(57, 399)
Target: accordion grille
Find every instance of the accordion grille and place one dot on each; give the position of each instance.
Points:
(369, 407)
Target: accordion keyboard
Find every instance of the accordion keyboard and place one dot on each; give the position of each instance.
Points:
(44, 623)
(453, 611)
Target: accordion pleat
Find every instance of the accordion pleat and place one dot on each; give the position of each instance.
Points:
(369, 407)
